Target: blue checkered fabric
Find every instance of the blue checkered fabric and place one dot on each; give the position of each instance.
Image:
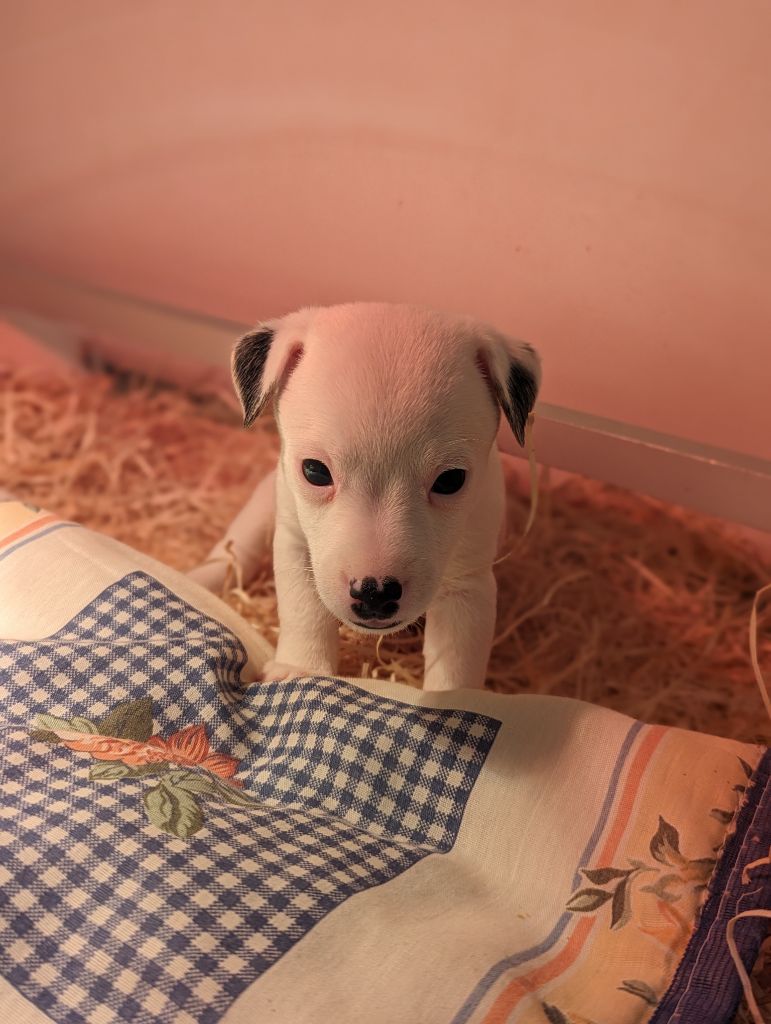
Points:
(105, 917)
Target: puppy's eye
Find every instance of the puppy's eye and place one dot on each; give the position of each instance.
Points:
(449, 482)
(316, 473)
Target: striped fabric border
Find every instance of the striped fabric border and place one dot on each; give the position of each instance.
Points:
(39, 524)
(706, 987)
(613, 829)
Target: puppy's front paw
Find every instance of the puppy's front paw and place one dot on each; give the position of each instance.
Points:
(440, 679)
(278, 671)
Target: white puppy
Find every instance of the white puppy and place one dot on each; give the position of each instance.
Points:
(388, 497)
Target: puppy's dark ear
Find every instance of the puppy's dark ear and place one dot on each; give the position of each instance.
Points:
(262, 361)
(513, 372)
(250, 355)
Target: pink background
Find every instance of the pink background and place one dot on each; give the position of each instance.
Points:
(593, 176)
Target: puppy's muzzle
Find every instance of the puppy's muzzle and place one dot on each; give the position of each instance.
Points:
(375, 602)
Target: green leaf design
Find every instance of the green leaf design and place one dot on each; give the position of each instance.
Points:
(660, 888)
(724, 817)
(601, 876)
(159, 806)
(641, 866)
(49, 723)
(193, 782)
(585, 901)
(639, 988)
(129, 720)
(106, 770)
(554, 1015)
(83, 725)
(233, 795)
(666, 880)
(173, 810)
(665, 845)
(209, 785)
(43, 736)
(621, 908)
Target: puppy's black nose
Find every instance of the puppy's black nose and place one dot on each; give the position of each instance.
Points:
(375, 601)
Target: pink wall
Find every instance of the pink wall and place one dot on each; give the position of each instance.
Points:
(594, 176)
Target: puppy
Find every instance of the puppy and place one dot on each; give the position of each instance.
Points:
(388, 496)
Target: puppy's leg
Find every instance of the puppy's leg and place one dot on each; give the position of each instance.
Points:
(460, 624)
(249, 534)
(308, 640)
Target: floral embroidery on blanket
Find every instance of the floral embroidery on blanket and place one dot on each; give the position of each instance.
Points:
(124, 746)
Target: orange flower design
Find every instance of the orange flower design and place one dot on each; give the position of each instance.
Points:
(188, 747)
(124, 746)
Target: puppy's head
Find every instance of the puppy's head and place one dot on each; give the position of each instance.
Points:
(387, 415)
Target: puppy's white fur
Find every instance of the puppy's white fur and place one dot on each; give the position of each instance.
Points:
(387, 397)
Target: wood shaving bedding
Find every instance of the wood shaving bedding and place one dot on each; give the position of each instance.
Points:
(612, 597)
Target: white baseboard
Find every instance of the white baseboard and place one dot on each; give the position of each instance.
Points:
(194, 350)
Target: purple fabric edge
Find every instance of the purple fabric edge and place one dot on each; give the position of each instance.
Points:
(706, 988)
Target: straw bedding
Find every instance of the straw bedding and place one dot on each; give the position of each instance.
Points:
(612, 597)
